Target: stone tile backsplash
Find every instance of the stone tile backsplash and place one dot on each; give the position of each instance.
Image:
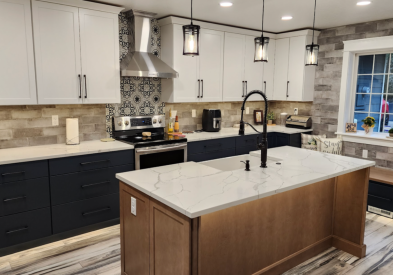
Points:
(31, 125)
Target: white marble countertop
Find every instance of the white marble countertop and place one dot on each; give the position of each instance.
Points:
(195, 189)
(232, 132)
(42, 152)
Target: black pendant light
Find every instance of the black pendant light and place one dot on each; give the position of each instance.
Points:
(313, 49)
(191, 38)
(261, 43)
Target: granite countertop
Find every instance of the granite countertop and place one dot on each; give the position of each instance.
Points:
(232, 132)
(195, 189)
(42, 152)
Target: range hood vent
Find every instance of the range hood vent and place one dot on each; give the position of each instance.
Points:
(140, 61)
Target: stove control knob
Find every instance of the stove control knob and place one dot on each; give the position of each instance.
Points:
(159, 121)
(127, 123)
(119, 123)
(154, 121)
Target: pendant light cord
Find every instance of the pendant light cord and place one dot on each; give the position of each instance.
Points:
(313, 27)
(263, 14)
(191, 12)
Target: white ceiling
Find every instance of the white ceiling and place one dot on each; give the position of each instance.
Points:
(247, 13)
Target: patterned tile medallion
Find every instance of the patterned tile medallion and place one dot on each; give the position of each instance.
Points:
(140, 96)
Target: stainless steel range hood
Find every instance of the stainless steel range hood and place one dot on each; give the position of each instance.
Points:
(140, 61)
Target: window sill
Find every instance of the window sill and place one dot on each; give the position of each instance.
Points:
(379, 139)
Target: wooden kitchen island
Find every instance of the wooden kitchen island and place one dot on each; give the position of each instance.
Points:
(181, 228)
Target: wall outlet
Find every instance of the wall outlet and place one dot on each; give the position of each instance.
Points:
(365, 154)
(296, 111)
(133, 206)
(193, 113)
(247, 110)
(55, 120)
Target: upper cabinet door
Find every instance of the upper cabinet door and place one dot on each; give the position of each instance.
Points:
(99, 34)
(268, 71)
(57, 52)
(296, 68)
(211, 62)
(281, 69)
(234, 56)
(253, 70)
(17, 73)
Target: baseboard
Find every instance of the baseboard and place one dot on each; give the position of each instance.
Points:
(349, 247)
(56, 237)
(297, 258)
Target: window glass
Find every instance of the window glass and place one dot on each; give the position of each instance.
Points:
(388, 123)
(390, 91)
(376, 103)
(380, 84)
(366, 64)
(391, 63)
(364, 84)
(381, 65)
(362, 103)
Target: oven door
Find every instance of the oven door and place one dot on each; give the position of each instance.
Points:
(154, 156)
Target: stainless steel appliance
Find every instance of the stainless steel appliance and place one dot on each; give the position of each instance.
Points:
(159, 149)
(301, 122)
(211, 120)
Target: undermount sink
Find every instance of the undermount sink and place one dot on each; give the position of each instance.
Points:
(234, 163)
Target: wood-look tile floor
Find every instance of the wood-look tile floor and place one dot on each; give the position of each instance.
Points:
(98, 253)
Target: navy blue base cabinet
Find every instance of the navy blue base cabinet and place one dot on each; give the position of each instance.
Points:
(380, 195)
(44, 201)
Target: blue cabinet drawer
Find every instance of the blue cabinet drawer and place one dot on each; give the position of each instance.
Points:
(248, 140)
(86, 185)
(212, 155)
(23, 171)
(24, 227)
(380, 195)
(212, 145)
(87, 212)
(245, 150)
(90, 162)
(21, 196)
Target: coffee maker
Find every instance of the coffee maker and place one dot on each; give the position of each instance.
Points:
(211, 120)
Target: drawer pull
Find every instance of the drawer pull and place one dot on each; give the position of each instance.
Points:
(93, 162)
(17, 230)
(96, 211)
(94, 184)
(381, 198)
(14, 199)
(14, 173)
(215, 145)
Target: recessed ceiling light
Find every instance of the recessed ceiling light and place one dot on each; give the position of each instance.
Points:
(288, 17)
(226, 4)
(363, 3)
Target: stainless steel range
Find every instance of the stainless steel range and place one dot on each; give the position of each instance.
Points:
(158, 149)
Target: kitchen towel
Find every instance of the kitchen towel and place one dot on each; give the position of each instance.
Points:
(72, 131)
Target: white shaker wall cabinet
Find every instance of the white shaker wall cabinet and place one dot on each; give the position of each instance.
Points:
(200, 77)
(99, 34)
(17, 72)
(268, 71)
(253, 71)
(57, 52)
(281, 69)
(77, 55)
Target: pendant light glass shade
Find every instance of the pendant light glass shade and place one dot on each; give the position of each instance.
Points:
(313, 49)
(261, 43)
(312, 54)
(191, 40)
(261, 49)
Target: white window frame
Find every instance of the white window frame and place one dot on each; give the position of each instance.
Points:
(352, 50)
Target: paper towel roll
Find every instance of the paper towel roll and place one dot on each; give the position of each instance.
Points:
(72, 131)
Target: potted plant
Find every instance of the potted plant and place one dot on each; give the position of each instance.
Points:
(270, 117)
(391, 132)
(368, 125)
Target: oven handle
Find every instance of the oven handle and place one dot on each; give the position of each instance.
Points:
(159, 150)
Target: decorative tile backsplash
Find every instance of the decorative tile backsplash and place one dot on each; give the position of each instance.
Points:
(140, 96)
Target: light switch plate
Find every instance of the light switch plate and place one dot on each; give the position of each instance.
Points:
(365, 154)
(133, 206)
(247, 110)
(55, 120)
(193, 113)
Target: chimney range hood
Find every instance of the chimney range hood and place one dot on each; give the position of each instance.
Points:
(140, 61)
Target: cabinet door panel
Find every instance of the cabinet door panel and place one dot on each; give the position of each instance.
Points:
(268, 71)
(211, 62)
(296, 68)
(57, 52)
(234, 52)
(17, 73)
(281, 69)
(99, 34)
(253, 70)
